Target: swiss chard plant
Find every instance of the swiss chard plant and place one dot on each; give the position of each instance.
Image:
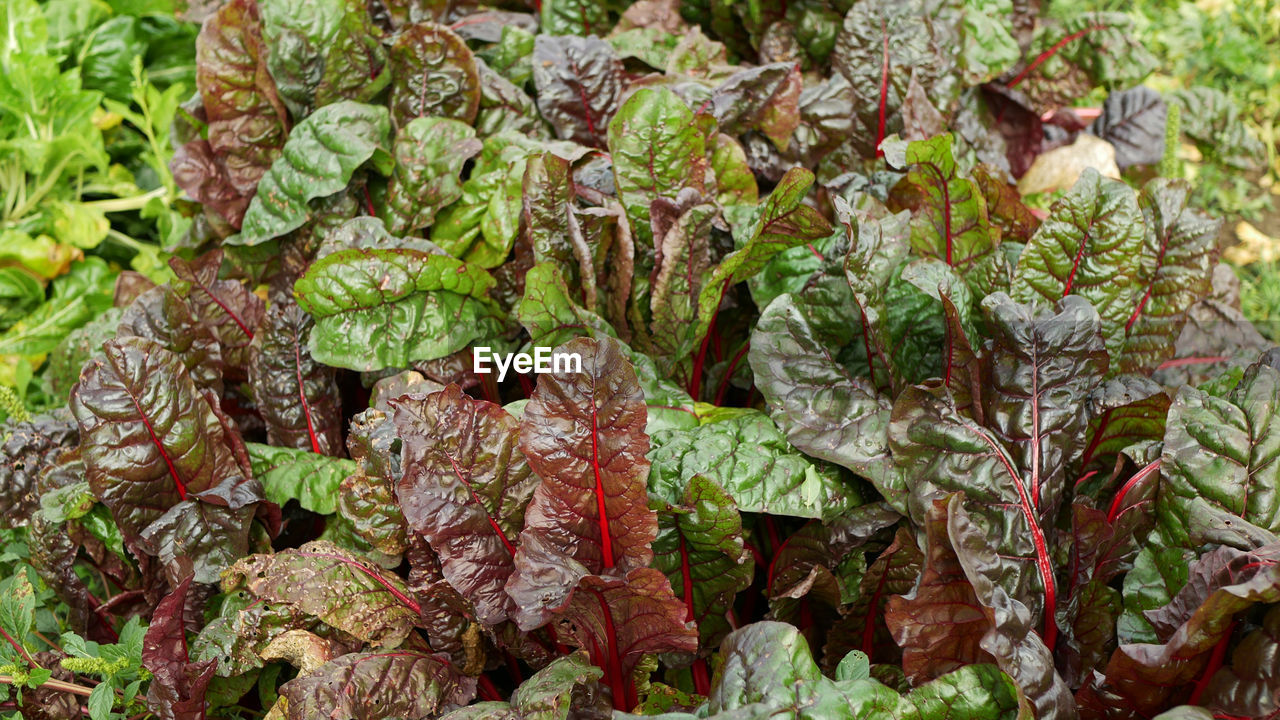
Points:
(853, 431)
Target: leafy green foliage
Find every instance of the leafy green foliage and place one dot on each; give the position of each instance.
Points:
(835, 423)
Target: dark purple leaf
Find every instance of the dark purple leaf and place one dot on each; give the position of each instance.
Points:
(579, 82)
(465, 488)
(584, 434)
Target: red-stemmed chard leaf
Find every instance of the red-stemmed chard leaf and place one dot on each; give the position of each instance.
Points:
(1193, 629)
(1124, 411)
(880, 47)
(1091, 245)
(584, 434)
(619, 620)
(162, 461)
(1025, 656)
(863, 625)
(404, 683)
(296, 396)
(1183, 242)
(159, 314)
(228, 307)
(247, 120)
(1012, 474)
(465, 487)
(579, 82)
(1246, 685)
(949, 220)
(1043, 366)
(178, 685)
(939, 624)
(700, 549)
(329, 583)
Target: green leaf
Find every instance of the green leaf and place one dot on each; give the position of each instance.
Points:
(17, 608)
(575, 17)
(750, 458)
(101, 700)
(658, 149)
(429, 155)
(291, 474)
(1219, 462)
(379, 308)
(322, 153)
(550, 315)
(42, 330)
(823, 408)
(1091, 246)
(321, 52)
(700, 540)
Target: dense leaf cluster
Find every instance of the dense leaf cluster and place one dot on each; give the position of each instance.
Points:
(857, 433)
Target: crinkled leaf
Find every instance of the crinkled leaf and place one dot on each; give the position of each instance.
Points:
(465, 487)
(321, 155)
(161, 460)
(178, 685)
(429, 154)
(326, 582)
(1219, 463)
(366, 498)
(700, 549)
(550, 315)
(1145, 678)
(296, 395)
(227, 306)
(387, 308)
(939, 624)
(28, 449)
(247, 121)
(822, 408)
(1091, 245)
(377, 686)
(1094, 48)
(579, 82)
(574, 17)
(433, 75)
(752, 461)
(881, 41)
(950, 222)
(321, 52)
(552, 693)
(942, 451)
(1183, 242)
(764, 98)
(584, 434)
(658, 149)
(160, 315)
(1124, 410)
(1043, 366)
(1211, 119)
(618, 620)
(292, 474)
